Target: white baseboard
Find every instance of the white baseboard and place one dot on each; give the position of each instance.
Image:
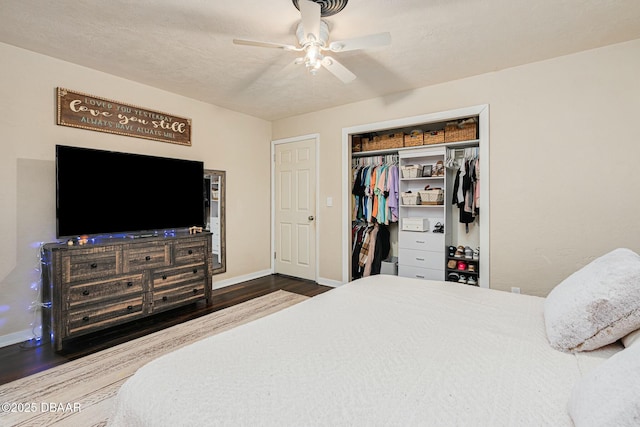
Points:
(329, 282)
(15, 337)
(240, 279)
(263, 273)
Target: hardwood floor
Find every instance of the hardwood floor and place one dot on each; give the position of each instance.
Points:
(20, 360)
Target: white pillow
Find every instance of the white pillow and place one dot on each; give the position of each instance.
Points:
(596, 305)
(631, 338)
(609, 395)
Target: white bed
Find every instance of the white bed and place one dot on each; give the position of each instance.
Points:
(379, 351)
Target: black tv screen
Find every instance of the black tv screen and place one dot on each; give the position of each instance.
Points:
(104, 192)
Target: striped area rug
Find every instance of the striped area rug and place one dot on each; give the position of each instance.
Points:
(79, 393)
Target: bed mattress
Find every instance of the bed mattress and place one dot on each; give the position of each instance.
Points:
(383, 350)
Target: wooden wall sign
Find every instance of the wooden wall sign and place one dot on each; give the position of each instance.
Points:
(89, 112)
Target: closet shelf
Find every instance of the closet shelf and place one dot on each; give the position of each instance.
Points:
(459, 144)
(422, 206)
(423, 178)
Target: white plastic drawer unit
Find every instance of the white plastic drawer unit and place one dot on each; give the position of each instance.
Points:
(415, 224)
(423, 259)
(421, 241)
(420, 273)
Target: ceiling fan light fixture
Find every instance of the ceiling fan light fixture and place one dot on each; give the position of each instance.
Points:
(327, 7)
(312, 33)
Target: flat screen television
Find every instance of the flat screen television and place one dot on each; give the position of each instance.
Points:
(105, 193)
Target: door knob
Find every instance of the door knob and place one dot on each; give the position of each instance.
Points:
(310, 217)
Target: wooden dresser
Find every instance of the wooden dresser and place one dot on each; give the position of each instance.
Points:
(99, 285)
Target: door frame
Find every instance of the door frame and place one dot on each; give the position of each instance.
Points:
(316, 138)
(482, 111)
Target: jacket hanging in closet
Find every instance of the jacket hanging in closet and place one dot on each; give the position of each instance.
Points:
(466, 191)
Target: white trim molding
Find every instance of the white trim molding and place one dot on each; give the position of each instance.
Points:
(239, 279)
(16, 337)
(329, 282)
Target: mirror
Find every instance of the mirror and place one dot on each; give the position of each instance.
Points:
(215, 183)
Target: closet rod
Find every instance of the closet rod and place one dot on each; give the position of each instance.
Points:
(380, 159)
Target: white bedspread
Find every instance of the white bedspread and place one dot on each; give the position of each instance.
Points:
(381, 351)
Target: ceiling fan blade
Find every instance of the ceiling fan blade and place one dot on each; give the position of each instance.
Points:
(310, 12)
(363, 42)
(338, 70)
(265, 44)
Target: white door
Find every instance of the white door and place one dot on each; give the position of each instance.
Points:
(295, 209)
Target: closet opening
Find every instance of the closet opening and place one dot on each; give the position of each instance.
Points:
(427, 213)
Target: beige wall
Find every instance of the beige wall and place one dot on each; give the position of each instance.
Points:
(564, 161)
(221, 138)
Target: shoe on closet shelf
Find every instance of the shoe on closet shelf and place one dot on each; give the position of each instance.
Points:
(463, 279)
(451, 265)
(468, 252)
(460, 252)
(471, 268)
(472, 281)
(452, 251)
(476, 254)
(453, 277)
(462, 265)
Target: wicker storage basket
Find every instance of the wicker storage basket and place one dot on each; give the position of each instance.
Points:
(368, 144)
(461, 131)
(410, 199)
(411, 171)
(434, 137)
(431, 196)
(356, 144)
(392, 140)
(413, 139)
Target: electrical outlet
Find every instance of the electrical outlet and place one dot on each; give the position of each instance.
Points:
(515, 290)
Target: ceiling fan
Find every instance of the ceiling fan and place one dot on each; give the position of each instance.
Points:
(313, 36)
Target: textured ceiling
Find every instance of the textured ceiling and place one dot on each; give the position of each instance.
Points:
(185, 46)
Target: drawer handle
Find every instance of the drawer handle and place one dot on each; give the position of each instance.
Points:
(419, 259)
(94, 265)
(164, 277)
(195, 291)
(130, 308)
(195, 270)
(85, 292)
(85, 318)
(419, 241)
(190, 252)
(147, 258)
(164, 298)
(129, 284)
(419, 277)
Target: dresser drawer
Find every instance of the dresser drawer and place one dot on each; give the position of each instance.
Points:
(101, 315)
(148, 255)
(166, 298)
(190, 252)
(420, 273)
(86, 264)
(427, 241)
(90, 292)
(423, 259)
(170, 278)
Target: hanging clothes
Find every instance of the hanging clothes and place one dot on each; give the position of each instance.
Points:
(375, 194)
(466, 186)
(382, 248)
